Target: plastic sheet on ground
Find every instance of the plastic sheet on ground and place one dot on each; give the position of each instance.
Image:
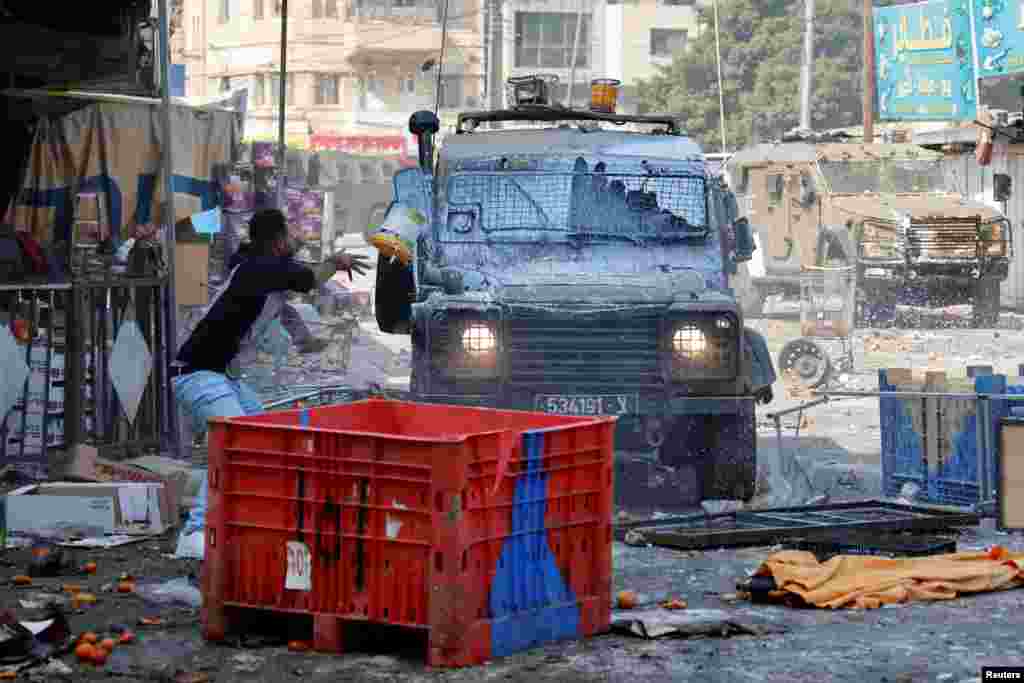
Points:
(866, 582)
(174, 592)
(689, 623)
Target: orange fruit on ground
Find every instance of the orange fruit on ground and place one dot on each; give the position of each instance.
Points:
(298, 646)
(127, 637)
(108, 644)
(626, 599)
(126, 587)
(85, 651)
(22, 580)
(89, 568)
(89, 637)
(71, 588)
(100, 655)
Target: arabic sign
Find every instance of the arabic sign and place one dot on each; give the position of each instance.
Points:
(999, 30)
(925, 68)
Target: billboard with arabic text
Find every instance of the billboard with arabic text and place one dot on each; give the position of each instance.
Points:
(924, 61)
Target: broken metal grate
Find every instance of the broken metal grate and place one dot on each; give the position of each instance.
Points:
(768, 527)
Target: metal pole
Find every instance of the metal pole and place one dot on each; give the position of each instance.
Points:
(575, 53)
(869, 72)
(721, 90)
(805, 73)
(168, 216)
(282, 102)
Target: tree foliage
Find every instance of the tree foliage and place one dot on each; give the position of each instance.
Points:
(762, 48)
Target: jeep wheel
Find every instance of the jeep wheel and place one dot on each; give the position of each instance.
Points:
(730, 471)
(805, 360)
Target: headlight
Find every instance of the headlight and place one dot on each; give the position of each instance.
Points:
(479, 339)
(706, 346)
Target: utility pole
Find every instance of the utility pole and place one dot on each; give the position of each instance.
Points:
(496, 29)
(282, 102)
(808, 66)
(721, 85)
(575, 54)
(869, 72)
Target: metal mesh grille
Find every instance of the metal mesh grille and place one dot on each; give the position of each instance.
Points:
(591, 202)
(614, 349)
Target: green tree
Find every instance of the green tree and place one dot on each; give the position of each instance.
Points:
(762, 47)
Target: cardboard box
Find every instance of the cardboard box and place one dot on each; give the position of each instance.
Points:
(87, 466)
(192, 273)
(28, 514)
(118, 507)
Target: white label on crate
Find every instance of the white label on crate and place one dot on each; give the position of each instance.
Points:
(300, 567)
(393, 525)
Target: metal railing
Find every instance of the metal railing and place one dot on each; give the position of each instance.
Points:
(74, 329)
(948, 485)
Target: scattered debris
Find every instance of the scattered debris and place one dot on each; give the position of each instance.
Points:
(247, 663)
(634, 538)
(674, 603)
(626, 600)
(176, 591)
(709, 623)
(718, 507)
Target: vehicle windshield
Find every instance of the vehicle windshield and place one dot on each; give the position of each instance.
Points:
(889, 175)
(580, 205)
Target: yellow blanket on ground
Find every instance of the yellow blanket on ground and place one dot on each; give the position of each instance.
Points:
(869, 582)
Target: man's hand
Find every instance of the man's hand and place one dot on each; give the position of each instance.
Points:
(351, 262)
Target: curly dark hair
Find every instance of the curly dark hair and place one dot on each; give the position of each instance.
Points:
(266, 228)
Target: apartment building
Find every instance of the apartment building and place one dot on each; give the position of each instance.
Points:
(356, 69)
(622, 39)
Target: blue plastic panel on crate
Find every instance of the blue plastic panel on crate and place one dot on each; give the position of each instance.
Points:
(531, 602)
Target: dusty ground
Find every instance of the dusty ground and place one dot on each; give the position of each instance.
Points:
(928, 642)
(934, 642)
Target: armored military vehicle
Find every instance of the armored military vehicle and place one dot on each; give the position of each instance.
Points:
(885, 208)
(571, 267)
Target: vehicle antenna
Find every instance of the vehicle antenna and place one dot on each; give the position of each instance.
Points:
(440, 60)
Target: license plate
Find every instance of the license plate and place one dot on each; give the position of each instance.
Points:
(584, 405)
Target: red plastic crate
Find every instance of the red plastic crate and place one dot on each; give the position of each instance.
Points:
(490, 528)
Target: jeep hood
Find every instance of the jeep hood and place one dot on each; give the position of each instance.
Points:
(893, 207)
(599, 288)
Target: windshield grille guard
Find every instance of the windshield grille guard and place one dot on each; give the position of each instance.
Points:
(600, 204)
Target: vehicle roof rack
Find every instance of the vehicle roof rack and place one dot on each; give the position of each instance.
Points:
(834, 135)
(469, 120)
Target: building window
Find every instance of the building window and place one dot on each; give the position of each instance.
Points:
(225, 11)
(375, 86)
(667, 42)
(257, 9)
(546, 39)
(318, 9)
(407, 85)
(259, 90)
(776, 186)
(326, 89)
(331, 8)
